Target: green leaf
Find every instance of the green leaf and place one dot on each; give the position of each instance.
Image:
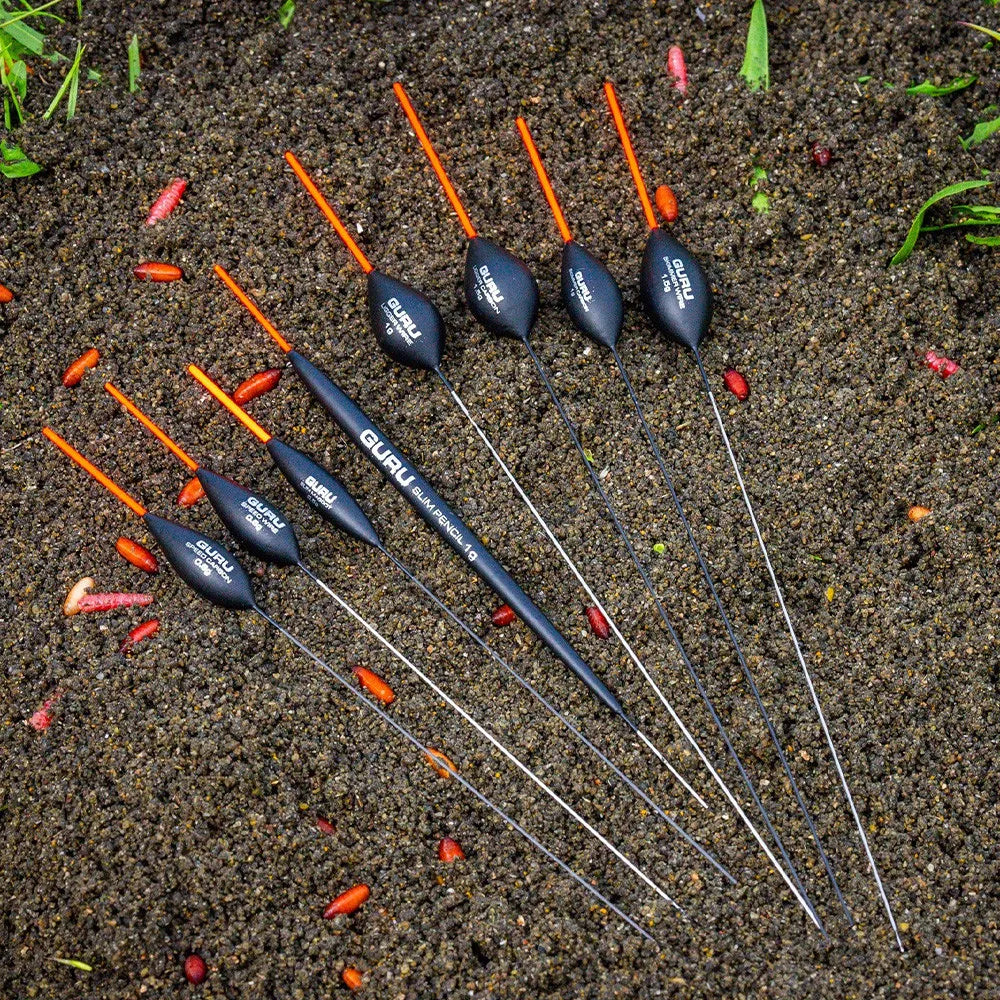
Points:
(588, 455)
(755, 69)
(94, 76)
(134, 65)
(863, 79)
(761, 203)
(74, 963)
(14, 163)
(659, 548)
(25, 36)
(70, 82)
(928, 89)
(981, 133)
(983, 241)
(995, 35)
(914, 234)
(286, 12)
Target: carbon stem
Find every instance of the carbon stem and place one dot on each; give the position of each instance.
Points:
(588, 590)
(490, 738)
(792, 879)
(464, 782)
(526, 685)
(744, 666)
(798, 651)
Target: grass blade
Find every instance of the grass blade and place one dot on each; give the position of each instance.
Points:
(286, 12)
(755, 69)
(134, 65)
(928, 89)
(980, 134)
(983, 241)
(70, 82)
(914, 234)
(74, 963)
(995, 35)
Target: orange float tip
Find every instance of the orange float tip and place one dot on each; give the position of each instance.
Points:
(327, 210)
(251, 307)
(633, 163)
(73, 455)
(234, 408)
(435, 160)
(543, 179)
(155, 430)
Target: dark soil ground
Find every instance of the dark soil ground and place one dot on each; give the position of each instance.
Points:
(172, 804)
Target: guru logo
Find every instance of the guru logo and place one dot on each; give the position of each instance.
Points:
(580, 285)
(385, 457)
(322, 493)
(492, 289)
(403, 320)
(678, 282)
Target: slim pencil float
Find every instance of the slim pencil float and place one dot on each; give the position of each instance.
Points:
(215, 574)
(263, 529)
(678, 299)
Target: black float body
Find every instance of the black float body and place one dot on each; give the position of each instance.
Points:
(500, 290)
(204, 565)
(591, 295)
(407, 325)
(403, 476)
(257, 524)
(675, 290)
(324, 492)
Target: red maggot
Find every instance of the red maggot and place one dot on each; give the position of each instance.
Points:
(503, 615)
(598, 623)
(74, 373)
(347, 902)
(140, 632)
(256, 385)
(167, 201)
(666, 203)
(6, 295)
(677, 68)
(945, 367)
(137, 555)
(736, 384)
(91, 603)
(156, 271)
(193, 491)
